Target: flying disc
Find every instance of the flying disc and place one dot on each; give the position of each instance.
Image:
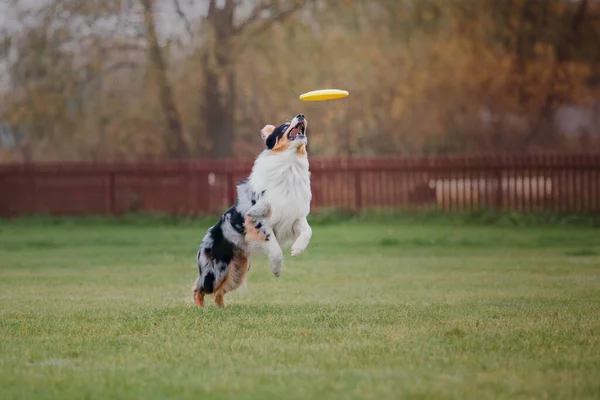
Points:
(324, 94)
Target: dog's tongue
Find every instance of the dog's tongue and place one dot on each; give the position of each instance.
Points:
(294, 132)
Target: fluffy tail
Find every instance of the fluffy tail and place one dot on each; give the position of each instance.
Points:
(207, 285)
(207, 280)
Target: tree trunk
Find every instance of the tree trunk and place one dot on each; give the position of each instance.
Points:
(174, 142)
(219, 78)
(219, 106)
(555, 98)
(218, 60)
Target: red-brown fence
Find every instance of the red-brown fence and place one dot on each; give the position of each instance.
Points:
(553, 182)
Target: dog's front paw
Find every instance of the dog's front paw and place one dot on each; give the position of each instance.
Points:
(277, 270)
(297, 250)
(277, 265)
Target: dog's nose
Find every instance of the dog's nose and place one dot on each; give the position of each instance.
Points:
(300, 116)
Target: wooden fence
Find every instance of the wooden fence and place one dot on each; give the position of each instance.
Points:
(559, 183)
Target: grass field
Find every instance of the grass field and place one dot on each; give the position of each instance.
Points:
(370, 311)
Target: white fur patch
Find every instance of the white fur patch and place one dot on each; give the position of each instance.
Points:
(285, 180)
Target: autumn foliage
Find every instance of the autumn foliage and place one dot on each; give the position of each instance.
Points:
(104, 80)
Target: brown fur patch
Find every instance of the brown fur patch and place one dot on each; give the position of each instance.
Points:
(219, 300)
(301, 150)
(283, 143)
(253, 233)
(238, 270)
(236, 275)
(198, 297)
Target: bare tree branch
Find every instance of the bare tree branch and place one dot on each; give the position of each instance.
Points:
(265, 24)
(175, 144)
(212, 6)
(121, 65)
(126, 47)
(253, 17)
(181, 15)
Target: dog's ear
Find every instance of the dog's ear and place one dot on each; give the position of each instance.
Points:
(266, 131)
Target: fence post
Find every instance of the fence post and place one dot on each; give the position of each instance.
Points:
(110, 194)
(231, 195)
(4, 206)
(499, 194)
(34, 184)
(357, 189)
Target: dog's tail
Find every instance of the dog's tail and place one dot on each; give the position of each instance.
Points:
(206, 282)
(207, 272)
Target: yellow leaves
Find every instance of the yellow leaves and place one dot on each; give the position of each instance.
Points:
(578, 70)
(417, 72)
(543, 50)
(398, 107)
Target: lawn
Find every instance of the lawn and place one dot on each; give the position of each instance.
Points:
(380, 310)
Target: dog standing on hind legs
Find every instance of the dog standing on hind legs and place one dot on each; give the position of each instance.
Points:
(269, 214)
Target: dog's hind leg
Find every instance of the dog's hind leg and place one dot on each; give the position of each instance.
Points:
(221, 289)
(198, 294)
(237, 270)
(219, 298)
(198, 297)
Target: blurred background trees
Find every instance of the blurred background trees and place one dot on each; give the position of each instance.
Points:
(146, 79)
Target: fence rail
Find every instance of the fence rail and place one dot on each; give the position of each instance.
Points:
(562, 183)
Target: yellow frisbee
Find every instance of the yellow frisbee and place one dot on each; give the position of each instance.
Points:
(324, 94)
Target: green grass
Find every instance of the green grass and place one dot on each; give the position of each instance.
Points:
(373, 310)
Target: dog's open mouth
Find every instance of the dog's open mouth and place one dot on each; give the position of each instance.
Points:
(297, 130)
